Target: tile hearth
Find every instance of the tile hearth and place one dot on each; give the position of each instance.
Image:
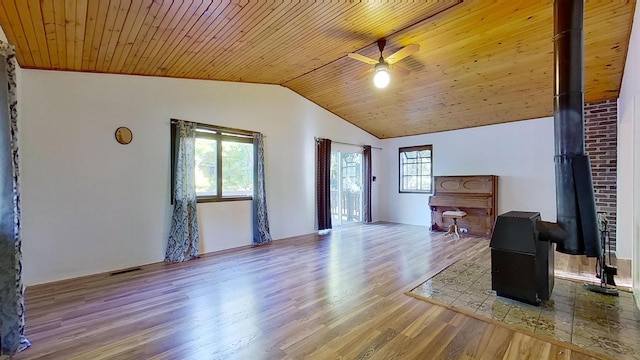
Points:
(602, 324)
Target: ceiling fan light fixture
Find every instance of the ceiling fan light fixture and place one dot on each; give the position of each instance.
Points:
(381, 78)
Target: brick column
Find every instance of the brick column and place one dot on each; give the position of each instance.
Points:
(601, 143)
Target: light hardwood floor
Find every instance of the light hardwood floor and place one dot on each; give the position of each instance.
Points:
(339, 296)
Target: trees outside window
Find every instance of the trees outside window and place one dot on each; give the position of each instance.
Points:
(224, 164)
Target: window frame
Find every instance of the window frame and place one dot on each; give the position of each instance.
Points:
(221, 134)
(400, 168)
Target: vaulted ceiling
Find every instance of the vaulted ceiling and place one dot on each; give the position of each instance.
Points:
(480, 62)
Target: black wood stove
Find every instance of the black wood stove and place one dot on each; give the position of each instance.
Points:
(521, 263)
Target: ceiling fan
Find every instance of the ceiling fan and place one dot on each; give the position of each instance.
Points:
(382, 66)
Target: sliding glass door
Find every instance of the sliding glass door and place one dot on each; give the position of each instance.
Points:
(346, 187)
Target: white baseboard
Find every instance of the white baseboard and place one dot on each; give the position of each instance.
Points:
(621, 258)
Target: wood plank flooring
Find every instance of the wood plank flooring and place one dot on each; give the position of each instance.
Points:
(339, 296)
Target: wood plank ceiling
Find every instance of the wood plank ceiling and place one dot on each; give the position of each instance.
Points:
(480, 63)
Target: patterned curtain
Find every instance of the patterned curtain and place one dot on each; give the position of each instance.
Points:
(366, 170)
(12, 337)
(183, 235)
(323, 184)
(261, 233)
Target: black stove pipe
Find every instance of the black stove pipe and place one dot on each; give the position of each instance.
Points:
(575, 202)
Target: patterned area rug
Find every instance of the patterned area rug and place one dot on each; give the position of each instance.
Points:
(606, 325)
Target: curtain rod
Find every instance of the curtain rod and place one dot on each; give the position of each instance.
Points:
(221, 128)
(346, 143)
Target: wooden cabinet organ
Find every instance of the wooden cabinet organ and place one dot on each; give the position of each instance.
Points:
(476, 195)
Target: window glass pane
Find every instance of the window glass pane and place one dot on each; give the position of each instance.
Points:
(206, 172)
(409, 169)
(426, 183)
(237, 169)
(351, 170)
(426, 169)
(334, 180)
(415, 169)
(411, 154)
(409, 182)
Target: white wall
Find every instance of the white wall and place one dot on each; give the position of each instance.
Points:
(627, 118)
(92, 205)
(520, 153)
(628, 223)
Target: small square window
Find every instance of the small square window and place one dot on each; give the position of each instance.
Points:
(416, 169)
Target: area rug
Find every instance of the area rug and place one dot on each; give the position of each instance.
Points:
(601, 324)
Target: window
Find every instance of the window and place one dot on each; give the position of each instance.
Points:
(223, 163)
(415, 169)
(346, 187)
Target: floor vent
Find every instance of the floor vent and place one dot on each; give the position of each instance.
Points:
(124, 271)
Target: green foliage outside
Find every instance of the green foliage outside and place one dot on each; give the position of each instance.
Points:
(237, 168)
(206, 173)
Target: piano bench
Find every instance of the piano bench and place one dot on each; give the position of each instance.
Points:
(454, 230)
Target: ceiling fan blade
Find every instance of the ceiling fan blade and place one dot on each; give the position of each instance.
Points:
(402, 53)
(364, 74)
(362, 58)
(399, 70)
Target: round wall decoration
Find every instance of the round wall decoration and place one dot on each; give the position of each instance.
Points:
(124, 135)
